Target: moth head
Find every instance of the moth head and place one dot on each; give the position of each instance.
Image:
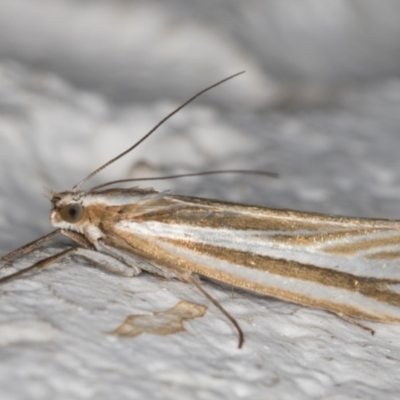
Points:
(67, 209)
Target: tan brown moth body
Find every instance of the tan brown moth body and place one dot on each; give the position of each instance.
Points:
(348, 266)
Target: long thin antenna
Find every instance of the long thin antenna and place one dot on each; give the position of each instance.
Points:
(78, 185)
(161, 178)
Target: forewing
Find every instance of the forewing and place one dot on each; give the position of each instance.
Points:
(344, 265)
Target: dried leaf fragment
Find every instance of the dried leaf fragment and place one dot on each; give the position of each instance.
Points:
(162, 322)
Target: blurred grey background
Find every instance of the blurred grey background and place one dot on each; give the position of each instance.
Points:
(132, 50)
(318, 103)
(81, 80)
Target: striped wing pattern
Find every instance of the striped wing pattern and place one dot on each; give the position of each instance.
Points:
(348, 266)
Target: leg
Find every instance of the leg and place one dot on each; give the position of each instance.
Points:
(104, 257)
(108, 262)
(79, 238)
(356, 323)
(104, 260)
(134, 261)
(42, 264)
(29, 246)
(196, 281)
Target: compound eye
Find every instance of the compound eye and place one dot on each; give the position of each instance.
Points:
(72, 213)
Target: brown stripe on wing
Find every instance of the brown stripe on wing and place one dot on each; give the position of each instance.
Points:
(206, 217)
(316, 238)
(198, 212)
(384, 255)
(352, 248)
(374, 288)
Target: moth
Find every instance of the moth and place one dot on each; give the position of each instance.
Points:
(346, 266)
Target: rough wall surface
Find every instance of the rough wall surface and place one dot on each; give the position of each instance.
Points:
(80, 82)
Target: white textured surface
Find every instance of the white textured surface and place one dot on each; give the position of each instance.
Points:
(341, 158)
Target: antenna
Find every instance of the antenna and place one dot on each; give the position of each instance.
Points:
(83, 181)
(161, 178)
